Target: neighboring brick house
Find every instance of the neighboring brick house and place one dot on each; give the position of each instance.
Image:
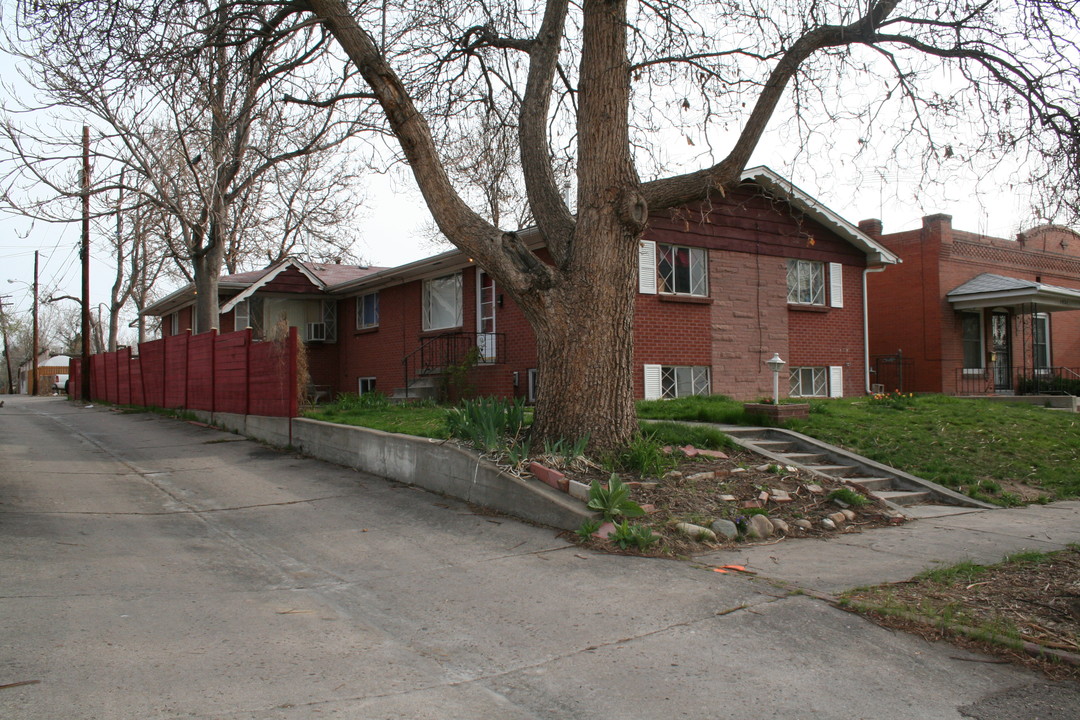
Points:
(971, 314)
(723, 285)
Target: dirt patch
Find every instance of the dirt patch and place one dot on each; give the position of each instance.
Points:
(736, 487)
(1037, 601)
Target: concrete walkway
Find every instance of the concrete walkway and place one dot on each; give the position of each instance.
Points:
(892, 554)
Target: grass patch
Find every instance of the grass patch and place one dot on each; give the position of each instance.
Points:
(377, 413)
(979, 447)
(679, 435)
(698, 408)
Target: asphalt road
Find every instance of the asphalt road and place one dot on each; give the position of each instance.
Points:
(157, 569)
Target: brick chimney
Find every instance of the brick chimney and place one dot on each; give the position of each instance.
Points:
(872, 227)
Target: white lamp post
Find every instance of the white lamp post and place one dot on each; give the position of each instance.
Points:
(776, 365)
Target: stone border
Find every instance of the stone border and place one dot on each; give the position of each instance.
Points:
(431, 464)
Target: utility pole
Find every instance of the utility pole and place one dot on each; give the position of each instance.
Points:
(85, 374)
(34, 377)
(7, 354)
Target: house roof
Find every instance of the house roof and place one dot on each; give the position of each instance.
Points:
(766, 178)
(321, 275)
(990, 290)
(348, 279)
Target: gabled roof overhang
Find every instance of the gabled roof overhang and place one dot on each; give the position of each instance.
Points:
(272, 272)
(876, 253)
(989, 291)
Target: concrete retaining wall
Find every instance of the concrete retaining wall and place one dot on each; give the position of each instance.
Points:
(431, 464)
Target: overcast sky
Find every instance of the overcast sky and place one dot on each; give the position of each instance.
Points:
(394, 220)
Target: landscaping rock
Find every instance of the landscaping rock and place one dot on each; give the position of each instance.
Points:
(763, 497)
(673, 475)
(578, 490)
(763, 468)
(838, 518)
(780, 496)
(803, 524)
(828, 524)
(696, 531)
(728, 498)
(725, 528)
(760, 527)
(738, 470)
(701, 476)
(604, 530)
(713, 454)
(780, 526)
(814, 489)
(751, 503)
(849, 514)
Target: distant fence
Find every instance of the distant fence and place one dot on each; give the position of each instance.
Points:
(216, 373)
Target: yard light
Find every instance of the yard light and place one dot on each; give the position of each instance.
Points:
(776, 365)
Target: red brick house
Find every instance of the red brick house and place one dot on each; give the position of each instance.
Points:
(723, 285)
(971, 314)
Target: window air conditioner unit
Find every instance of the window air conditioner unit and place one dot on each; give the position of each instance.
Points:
(316, 332)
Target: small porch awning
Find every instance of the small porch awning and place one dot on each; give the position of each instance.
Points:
(989, 290)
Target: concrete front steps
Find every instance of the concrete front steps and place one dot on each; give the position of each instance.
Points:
(901, 491)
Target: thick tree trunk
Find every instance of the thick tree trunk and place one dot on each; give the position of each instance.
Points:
(207, 270)
(585, 349)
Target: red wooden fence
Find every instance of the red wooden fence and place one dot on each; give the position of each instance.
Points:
(216, 373)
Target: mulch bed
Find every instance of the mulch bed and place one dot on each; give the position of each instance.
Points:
(690, 495)
(1040, 600)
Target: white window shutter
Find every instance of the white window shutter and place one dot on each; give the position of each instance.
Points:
(653, 389)
(836, 285)
(647, 267)
(836, 381)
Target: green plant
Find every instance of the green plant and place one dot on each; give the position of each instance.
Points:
(613, 501)
(848, 496)
(487, 423)
(637, 536)
(587, 528)
(456, 379)
(568, 451)
(645, 454)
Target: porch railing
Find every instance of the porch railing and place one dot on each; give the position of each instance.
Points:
(437, 354)
(1017, 380)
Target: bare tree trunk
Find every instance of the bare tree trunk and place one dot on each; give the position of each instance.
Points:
(585, 353)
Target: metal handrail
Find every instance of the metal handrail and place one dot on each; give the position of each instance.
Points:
(441, 351)
(1023, 380)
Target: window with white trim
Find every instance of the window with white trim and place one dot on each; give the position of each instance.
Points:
(972, 340)
(682, 270)
(442, 302)
(365, 385)
(174, 323)
(534, 384)
(1041, 341)
(241, 315)
(673, 381)
(805, 282)
(367, 311)
(809, 382)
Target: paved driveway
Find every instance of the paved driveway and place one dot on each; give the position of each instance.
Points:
(158, 569)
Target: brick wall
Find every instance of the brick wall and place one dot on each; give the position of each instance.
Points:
(909, 310)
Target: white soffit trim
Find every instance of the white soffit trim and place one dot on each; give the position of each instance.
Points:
(270, 274)
(768, 179)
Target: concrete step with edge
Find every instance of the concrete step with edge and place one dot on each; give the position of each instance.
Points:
(903, 497)
(833, 470)
(872, 483)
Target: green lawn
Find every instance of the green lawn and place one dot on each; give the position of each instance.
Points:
(979, 447)
(986, 449)
(421, 419)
